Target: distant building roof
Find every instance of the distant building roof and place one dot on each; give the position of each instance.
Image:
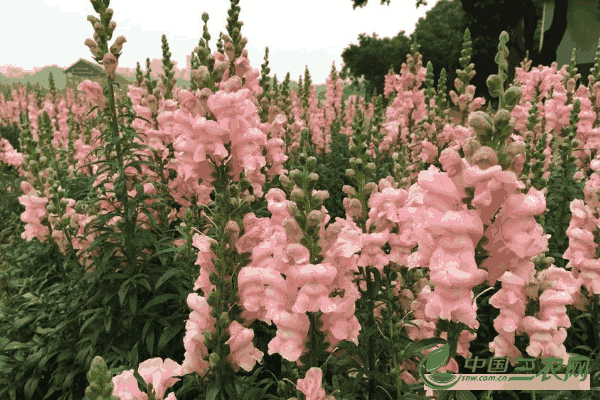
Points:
(87, 69)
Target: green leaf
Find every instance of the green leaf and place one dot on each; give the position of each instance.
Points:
(123, 292)
(213, 391)
(415, 348)
(150, 341)
(43, 331)
(165, 277)
(465, 395)
(144, 282)
(114, 276)
(108, 323)
(159, 300)
(437, 358)
(167, 335)
(22, 321)
(133, 301)
(15, 345)
(30, 386)
(86, 323)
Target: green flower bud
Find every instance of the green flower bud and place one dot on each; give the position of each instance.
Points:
(350, 172)
(224, 319)
(494, 83)
(314, 218)
(281, 388)
(313, 177)
(502, 117)
(208, 336)
(371, 166)
(370, 188)
(349, 190)
(512, 96)
(480, 121)
(297, 177)
(298, 195)
(485, 157)
(213, 359)
(311, 163)
(285, 181)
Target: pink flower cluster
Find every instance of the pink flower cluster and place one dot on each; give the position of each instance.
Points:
(159, 376)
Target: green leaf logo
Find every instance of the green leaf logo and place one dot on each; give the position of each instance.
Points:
(437, 358)
(433, 361)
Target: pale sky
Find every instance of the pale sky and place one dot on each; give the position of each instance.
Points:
(39, 33)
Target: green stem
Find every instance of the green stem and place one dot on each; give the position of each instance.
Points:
(371, 345)
(595, 320)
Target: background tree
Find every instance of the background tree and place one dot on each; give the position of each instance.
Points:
(522, 19)
(440, 35)
(373, 57)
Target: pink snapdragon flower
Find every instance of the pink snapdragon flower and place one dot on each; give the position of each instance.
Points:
(94, 93)
(243, 353)
(160, 375)
(200, 321)
(311, 385)
(126, 387)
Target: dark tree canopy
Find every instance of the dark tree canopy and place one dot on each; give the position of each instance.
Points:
(440, 37)
(486, 19)
(373, 57)
(362, 3)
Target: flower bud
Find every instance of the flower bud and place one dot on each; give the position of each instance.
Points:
(570, 85)
(298, 195)
(350, 172)
(152, 104)
(297, 177)
(311, 163)
(205, 94)
(480, 121)
(321, 195)
(292, 209)
(213, 360)
(371, 166)
(292, 230)
(314, 218)
(230, 50)
(349, 190)
(233, 84)
(514, 148)
(356, 207)
(370, 188)
(502, 117)
(285, 181)
(470, 147)
(485, 157)
(233, 230)
(249, 199)
(313, 176)
(512, 96)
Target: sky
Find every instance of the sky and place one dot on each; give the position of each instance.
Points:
(40, 33)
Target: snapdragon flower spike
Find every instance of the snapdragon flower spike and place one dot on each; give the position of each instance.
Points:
(242, 351)
(581, 252)
(199, 322)
(547, 332)
(311, 385)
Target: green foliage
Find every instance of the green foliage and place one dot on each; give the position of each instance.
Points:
(440, 35)
(373, 57)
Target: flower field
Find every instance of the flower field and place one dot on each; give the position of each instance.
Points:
(240, 240)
